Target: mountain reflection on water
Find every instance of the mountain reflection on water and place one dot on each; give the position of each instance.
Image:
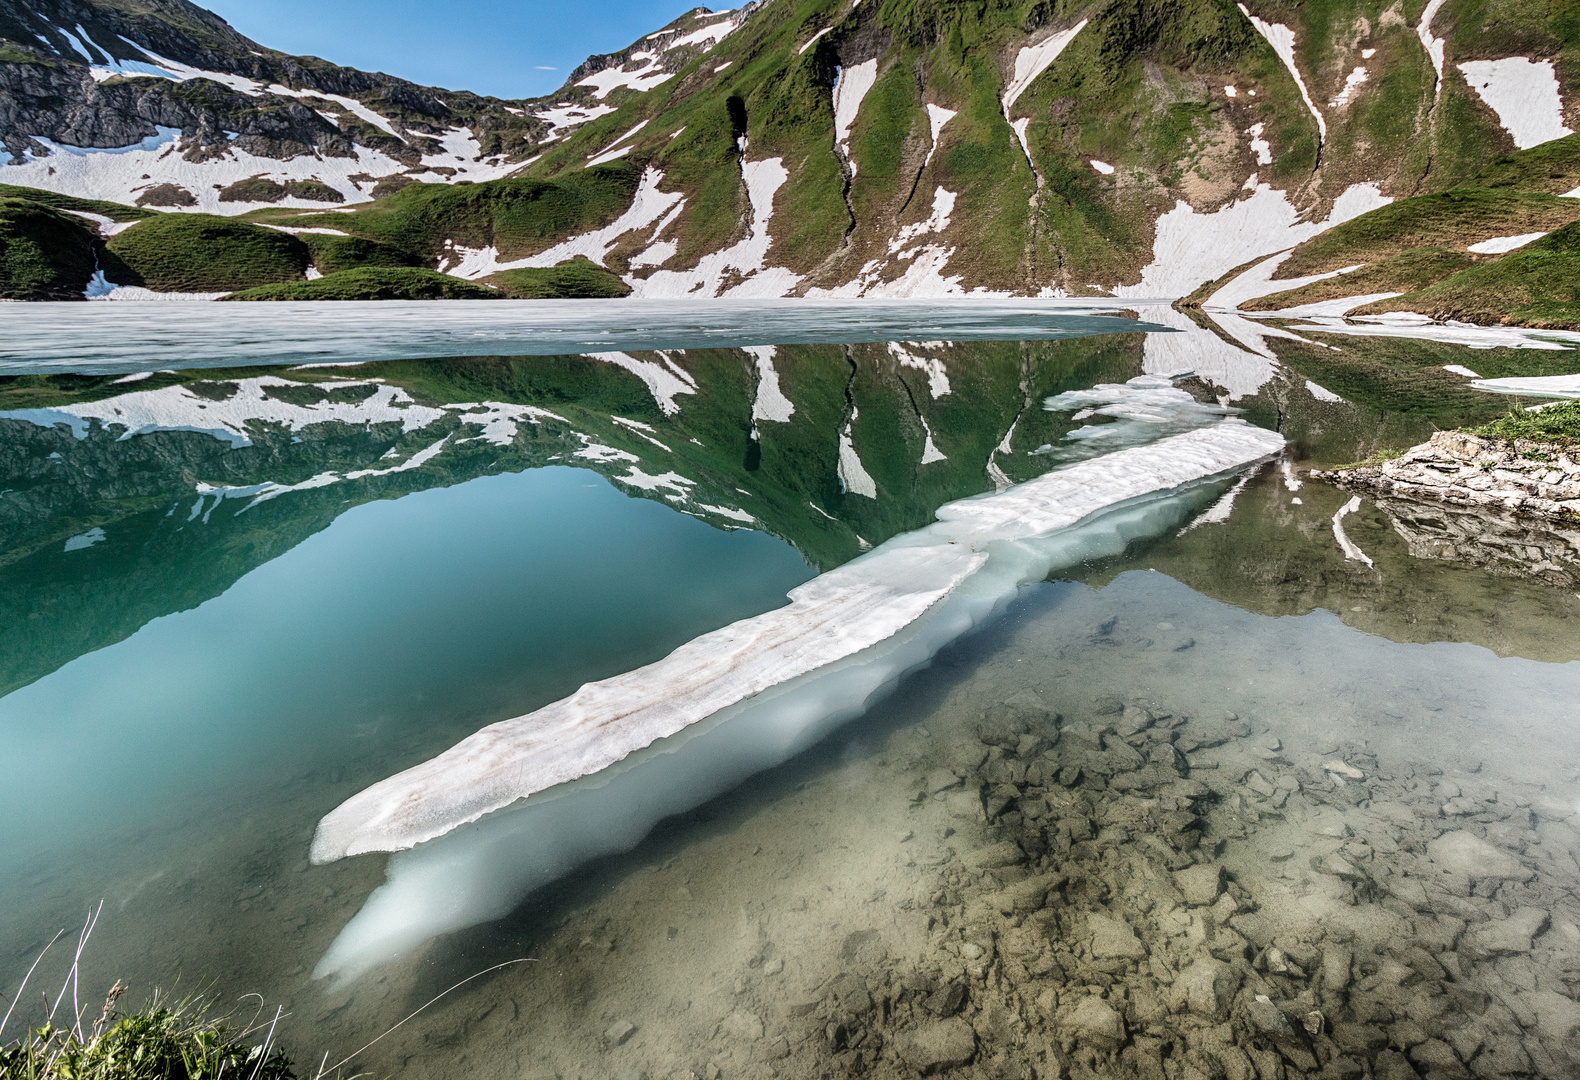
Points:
(258, 590)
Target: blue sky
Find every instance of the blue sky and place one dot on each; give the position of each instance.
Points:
(508, 48)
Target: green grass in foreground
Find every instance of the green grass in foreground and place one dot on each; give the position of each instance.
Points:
(168, 1040)
(1555, 423)
(1537, 286)
(374, 283)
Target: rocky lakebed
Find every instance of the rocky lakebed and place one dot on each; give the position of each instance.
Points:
(1004, 874)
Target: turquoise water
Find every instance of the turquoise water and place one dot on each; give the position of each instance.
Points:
(231, 599)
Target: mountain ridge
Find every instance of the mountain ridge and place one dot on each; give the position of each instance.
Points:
(890, 147)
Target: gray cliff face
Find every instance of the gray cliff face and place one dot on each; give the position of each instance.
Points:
(57, 59)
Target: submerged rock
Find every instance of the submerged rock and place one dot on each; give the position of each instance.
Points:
(942, 1044)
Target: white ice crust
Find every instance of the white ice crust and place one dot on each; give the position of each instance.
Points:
(598, 769)
(1524, 94)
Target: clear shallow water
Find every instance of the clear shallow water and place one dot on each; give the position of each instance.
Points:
(219, 669)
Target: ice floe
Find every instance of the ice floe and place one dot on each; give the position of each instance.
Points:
(599, 768)
(1524, 94)
(1558, 386)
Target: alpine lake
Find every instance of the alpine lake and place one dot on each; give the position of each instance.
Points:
(1221, 801)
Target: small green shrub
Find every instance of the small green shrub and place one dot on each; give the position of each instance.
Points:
(332, 254)
(168, 1040)
(252, 190)
(1377, 458)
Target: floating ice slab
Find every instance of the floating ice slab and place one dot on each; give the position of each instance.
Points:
(598, 769)
(829, 619)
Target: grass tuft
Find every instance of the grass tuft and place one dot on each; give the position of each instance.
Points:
(1558, 423)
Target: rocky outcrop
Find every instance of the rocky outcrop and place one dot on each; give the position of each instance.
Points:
(1520, 476)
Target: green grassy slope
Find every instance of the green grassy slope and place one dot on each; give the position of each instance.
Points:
(1454, 219)
(1405, 272)
(203, 253)
(573, 279)
(373, 283)
(518, 217)
(1537, 285)
(44, 254)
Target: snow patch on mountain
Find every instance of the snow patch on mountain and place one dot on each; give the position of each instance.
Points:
(1192, 247)
(648, 74)
(1524, 94)
(850, 87)
(747, 258)
(1434, 46)
(647, 206)
(931, 366)
(117, 175)
(663, 381)
(770, 402)
(937, 117)
(1282, 39)
(853, 476)
(1033, 60)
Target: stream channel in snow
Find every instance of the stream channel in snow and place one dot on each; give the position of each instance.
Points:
(871, 688)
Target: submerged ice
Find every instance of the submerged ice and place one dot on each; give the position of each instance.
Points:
(598, 769)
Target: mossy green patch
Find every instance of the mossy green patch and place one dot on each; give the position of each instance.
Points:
(1552, 167)
(1537, 286)
(112, 210)
(1452, 219)
(573, 279)
(44, 254)
(332, 254)
(374, 283)
(203, 253)
(515, 217)
(1559, 422)
(1404, 272)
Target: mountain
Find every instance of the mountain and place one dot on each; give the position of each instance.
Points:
(815, 147)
